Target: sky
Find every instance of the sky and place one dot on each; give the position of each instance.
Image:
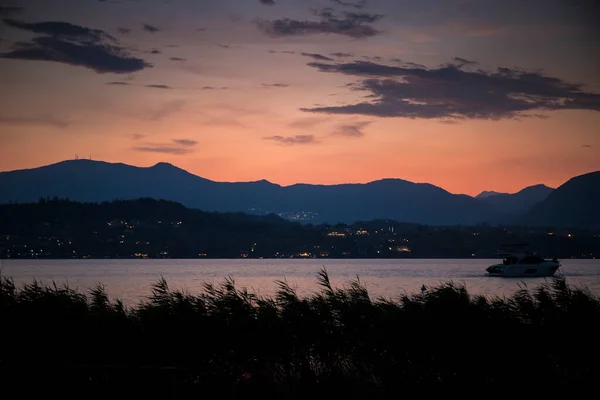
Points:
(468, 95)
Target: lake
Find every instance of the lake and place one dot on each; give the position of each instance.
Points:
(130, 280)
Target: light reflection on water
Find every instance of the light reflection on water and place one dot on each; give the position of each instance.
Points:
(130, 280)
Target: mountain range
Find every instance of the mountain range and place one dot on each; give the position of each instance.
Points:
(396, 199)
(516, 203)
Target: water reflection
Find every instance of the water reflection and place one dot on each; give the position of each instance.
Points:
(130, 280)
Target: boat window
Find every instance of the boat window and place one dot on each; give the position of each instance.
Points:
(531, 260)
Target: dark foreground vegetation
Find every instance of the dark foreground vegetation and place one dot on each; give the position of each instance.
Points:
(54, 228)
(338, 342)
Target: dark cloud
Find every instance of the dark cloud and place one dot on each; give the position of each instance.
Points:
(293, 140)
(372, 58)
(47, 120)
(99, 57)
(124, 31)
(214, 88)
(10, 10)
(316, 56)
(185, 142)
(275, 85)
(352, 130)
(414, 65)
(228, 46)
(267, 2)
(150, 28)
(155, 51)
(355, 25)
(342, 55)
(448, 92)
(461, 61)
(586, 145)
(60, 30)
(159, 86)
(73, 45)
(358, 4)
(177, 59)
(118, 83)
(163, 149)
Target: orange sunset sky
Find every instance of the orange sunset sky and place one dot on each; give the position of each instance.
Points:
(467, 95)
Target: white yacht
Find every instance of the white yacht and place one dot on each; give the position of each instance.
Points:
(523, 264)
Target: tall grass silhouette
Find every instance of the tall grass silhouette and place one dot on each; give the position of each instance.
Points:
(337, 341)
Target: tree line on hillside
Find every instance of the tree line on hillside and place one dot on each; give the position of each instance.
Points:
(57, 228)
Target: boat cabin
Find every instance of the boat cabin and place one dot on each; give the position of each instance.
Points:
(522, 259)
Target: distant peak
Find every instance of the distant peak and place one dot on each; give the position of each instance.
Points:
(539, 186)
(163, 164)
(488, 193)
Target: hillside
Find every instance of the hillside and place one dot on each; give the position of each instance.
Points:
(85, 180)
(575, 203)
(516, 203)
(162, 229)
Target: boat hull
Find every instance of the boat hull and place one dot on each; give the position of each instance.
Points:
(548, 268)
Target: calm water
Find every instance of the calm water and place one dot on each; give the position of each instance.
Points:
(130, 280)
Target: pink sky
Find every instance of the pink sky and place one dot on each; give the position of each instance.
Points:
(286, 121)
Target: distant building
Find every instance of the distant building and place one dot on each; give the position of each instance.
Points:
(402, 249)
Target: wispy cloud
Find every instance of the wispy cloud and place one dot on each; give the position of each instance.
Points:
(267, 2)
(293, 140)
(159, 86)
(163, 149)
(357, 4)
(229, 46)
(318, 57)
(354, 130)
(177, 59)
(118, 83)
(150, 28)
(342, 55)
(587, 145)
(462, 61)
(451, 93)
(176, 147)
(185, 142)
(354, 25)
(275, 85)
(47, 120)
